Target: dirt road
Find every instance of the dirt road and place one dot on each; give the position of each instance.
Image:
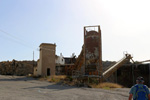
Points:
(22, 88)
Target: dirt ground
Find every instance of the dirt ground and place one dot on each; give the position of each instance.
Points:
(23, 88)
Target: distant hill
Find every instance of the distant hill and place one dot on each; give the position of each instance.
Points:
(107, 64)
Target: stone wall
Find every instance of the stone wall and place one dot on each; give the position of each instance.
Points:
(20, 68)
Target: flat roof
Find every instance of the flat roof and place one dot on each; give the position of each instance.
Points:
(47, 44)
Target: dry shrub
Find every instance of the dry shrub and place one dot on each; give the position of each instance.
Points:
(107, 85)
(60, 76)
(57, 78)
(66, 80)
(70, 83)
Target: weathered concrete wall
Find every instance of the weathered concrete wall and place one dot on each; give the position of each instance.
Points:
(47, 59)
(127, 74)
(38, 69)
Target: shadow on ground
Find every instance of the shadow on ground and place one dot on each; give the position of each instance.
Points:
(53, 87)
(13, 78)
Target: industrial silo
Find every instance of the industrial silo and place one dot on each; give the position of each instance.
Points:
(92, 51)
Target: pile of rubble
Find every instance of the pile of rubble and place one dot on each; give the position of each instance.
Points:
(19, 68)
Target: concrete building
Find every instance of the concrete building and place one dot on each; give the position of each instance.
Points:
(46, 63)
(60, 60)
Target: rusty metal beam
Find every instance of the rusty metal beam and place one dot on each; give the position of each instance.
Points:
(113, 68)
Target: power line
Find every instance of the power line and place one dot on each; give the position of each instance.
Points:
(16, 39)
(10, 39)
(10, 35)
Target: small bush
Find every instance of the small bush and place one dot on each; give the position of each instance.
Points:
(69, 78)
(93, 80)
(56, 79)
(106, 85)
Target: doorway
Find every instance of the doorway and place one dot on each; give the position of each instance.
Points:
(48, 72)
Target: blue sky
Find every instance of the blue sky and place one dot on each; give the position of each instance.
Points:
(25, 24)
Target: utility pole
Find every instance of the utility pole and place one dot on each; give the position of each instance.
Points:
(33, 59)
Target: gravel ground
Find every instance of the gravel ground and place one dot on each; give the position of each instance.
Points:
(23, 88)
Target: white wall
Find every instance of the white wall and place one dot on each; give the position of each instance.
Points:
(60, 60)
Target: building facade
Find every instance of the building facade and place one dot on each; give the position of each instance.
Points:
(46, 63)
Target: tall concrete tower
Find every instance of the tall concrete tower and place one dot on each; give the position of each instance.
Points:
(47, 59)
(92, 50)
